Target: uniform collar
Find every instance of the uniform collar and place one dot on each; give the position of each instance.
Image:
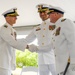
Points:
(48, 20)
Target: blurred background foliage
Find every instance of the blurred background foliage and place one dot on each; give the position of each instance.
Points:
(26, 58)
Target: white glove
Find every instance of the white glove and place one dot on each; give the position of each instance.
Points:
(72, 67)
(33, 48)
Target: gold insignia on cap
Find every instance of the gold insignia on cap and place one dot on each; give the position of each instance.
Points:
(42, 10)
(40, 6)
(13, 13)
(50, 11)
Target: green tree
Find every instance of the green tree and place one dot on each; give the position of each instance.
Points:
(26, 58)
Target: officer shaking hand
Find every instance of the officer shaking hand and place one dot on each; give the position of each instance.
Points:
(8, 42)
(63, 41)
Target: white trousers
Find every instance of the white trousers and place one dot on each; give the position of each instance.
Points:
(47, 69)
(5, 71)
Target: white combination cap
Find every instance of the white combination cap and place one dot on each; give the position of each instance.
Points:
(11, 12)
(56, 9)
(42, 7)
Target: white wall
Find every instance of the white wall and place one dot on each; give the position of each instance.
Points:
(28, 12)
(24, 30)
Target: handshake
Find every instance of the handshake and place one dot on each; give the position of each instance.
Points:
(38, 49)
(32, 48)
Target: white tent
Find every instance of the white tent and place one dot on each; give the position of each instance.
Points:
(28, 12)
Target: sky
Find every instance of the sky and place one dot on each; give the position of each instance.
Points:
(28, 12)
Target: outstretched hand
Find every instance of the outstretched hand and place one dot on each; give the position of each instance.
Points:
(27, 47)
(32, 48)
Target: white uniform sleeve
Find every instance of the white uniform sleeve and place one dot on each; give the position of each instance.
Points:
(31, 37)
(5, 34)
(69, 32)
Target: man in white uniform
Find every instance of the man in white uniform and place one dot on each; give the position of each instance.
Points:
(46, 60)
(8, 42)
(63, 41)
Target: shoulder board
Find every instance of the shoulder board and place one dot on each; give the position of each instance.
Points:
(5, 26)
(63, 20)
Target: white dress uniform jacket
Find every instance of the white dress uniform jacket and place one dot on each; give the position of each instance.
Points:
(7, 44)
(43, 35)
(63, 40)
